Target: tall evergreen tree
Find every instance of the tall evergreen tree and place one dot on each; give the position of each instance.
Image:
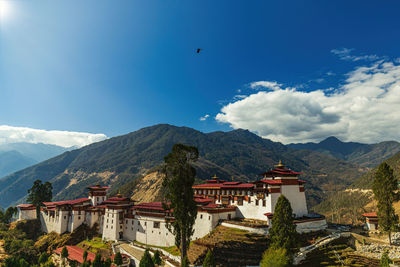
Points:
(157, 258)
(97, 262)
(283, 230)
(118, 259)
(85, 253)
(64, 254)
(177, 184)
(40, 193)
(209, 260)
(384, 188)
(146, 260)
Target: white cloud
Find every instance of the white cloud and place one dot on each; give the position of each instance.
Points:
(345, 54)
(205, 117)
(10, 134)
(365, 109)
(266, 84)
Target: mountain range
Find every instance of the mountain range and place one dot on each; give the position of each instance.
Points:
(17, 156)
(120, 162)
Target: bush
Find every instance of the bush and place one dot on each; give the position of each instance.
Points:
(157, 258)
(275, 257)
(209, 260)
(146, 260)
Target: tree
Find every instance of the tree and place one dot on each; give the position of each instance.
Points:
(97, 262)
(385, 260)
(6, 216)
(73, 263)
(64, 254)
(85, 253)
(157, 258)
(178, 193)
(185, 262)
(107, 263)
(283, 230)
(209, 260)
(23, 263)
(40, 193)
(146, 260)
(43, 258)
(118, 259)
(275, 257)
(384, 187)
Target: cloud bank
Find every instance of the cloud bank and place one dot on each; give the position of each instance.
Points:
(10, 134)
(365, 108)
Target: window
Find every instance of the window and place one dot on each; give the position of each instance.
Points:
(112, 221)
(263, 203)
(201, 216)
(240, 201)
(97, 199)
(145, 223)
(126, 221)
(138, 223)
(107, 226)
(79, 217)
(65, 217)
(132, 221)
(111, 227)
(256, 202)
(209, 217)
(107, 220)
(156, 224)
(229, 216)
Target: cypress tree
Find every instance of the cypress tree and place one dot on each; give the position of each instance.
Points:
(64, 254)
(185, 262)
(385, 260)
(97, 262)
(156, 258)
(146, 260)
(43, 258)
(178, 193)
(283, 230)
(85, 253)
(384, 187)
(209, 260)
(118, 259)
(107, 263)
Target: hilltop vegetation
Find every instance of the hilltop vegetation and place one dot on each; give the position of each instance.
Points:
(239, 155)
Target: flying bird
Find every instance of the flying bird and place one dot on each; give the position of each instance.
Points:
(198, 50)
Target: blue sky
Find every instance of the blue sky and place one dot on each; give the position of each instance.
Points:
(113, 67)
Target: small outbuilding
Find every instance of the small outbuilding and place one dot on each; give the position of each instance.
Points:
(371, 220)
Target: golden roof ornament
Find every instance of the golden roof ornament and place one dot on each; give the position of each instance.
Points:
(215, 176)
(280, 165)
(119, 194)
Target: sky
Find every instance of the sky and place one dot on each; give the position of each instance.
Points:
(74, 72)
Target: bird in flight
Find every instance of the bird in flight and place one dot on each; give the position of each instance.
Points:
(198, 50)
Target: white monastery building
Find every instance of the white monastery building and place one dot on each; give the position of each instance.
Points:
(119, 218)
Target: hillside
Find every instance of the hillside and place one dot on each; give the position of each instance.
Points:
(119, 161)
(364, 155)
(366, 180)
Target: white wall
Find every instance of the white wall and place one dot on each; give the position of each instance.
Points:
(296, 198)
(26, 214)
(311, 226)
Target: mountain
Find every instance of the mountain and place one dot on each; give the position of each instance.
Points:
(11, 161)
(119, 161)
(38, 152)
(365, 181)
(364, 155)
(17, 156)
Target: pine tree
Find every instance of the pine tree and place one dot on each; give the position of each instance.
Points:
(156, 258)
(385, 260)
(85, 253)
(209, 260)
(177, 185)
(118, 259)
(283, 230)
(64, 254)
(97, 262)
(146, 260)
(384, 187)
(107, 263)
(43, 258)
(38, 194)
(275, 257)
(185, 262)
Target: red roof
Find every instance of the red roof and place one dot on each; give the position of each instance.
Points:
(225, 185)
(76, 254)
(370, 214)
(67, 202)
(200, 200)
(301, 181)
(26, 206)
(271, 181)
(280, 172)
(150, 206)
(98, 187)
(268, 214)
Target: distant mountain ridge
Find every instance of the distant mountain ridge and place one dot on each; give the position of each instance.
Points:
(365, 155)
(118, 161)
(17, 156)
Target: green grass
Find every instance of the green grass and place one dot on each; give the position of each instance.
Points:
(173, 250)
(95, 244)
